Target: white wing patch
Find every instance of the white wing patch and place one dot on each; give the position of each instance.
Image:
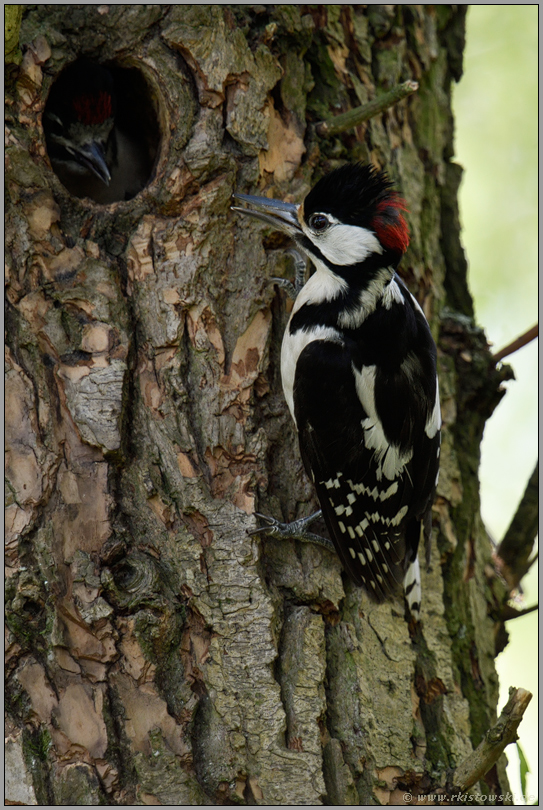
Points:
(347, 510)
(374, 493)
(395, 521)
(390, 461)
(333, 482)
(434, 420)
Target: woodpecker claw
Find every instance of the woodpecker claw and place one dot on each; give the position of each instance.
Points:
(287, 286)
(272, 525)
(300, 268)
(271, 522)
(297, 530)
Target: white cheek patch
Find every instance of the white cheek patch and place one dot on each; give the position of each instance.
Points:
(344, 244)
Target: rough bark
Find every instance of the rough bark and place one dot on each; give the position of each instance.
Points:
(157, 654)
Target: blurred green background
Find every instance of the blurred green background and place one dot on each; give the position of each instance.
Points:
(495, 106)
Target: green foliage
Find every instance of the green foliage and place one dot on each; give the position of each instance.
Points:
(523, 768)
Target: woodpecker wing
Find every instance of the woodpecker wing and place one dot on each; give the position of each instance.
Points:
(374, 492)
(354, 503)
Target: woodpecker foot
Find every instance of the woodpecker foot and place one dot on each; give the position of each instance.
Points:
(297, 530)
(300, 269)
(287, 286)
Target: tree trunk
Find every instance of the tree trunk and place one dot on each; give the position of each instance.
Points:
(157, 653)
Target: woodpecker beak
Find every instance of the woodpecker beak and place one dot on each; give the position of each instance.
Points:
(283, 216)
(92, 157)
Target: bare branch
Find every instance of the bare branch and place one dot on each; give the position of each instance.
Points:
(518, 343)
(351, 118)
(516, 547)
(509, 612)
(496, 739)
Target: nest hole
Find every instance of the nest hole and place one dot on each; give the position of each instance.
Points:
(102, 131)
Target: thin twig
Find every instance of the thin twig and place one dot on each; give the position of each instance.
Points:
(516, 547)
(496, 739)
(351, 118)
(518, 343)
(509, 612)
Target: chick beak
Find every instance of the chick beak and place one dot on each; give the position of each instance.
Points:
(92, 157)
(281, 215)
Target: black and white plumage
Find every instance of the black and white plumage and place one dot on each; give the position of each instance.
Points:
(358, 366)
(90, 154)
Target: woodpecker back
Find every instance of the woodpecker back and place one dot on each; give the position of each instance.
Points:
(359, 375)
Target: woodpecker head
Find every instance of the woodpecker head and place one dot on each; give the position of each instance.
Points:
(79, 120)
(350, 215)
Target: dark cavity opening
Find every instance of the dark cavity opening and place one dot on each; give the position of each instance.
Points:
(102, 130)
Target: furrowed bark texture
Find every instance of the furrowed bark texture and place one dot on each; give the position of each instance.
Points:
(157, 654)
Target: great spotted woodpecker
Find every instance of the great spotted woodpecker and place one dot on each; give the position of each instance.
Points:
(358, 366)
(90, 154)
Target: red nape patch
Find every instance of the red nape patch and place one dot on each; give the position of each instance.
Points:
(390, 226)
(93, 109)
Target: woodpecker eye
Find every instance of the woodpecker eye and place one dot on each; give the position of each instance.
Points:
(318, 222)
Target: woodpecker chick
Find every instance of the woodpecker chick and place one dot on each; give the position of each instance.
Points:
(79, 120)
(358, 365)
(89, 153)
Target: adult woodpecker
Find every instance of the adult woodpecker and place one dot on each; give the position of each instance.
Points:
(89, 153)
(358, 366)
